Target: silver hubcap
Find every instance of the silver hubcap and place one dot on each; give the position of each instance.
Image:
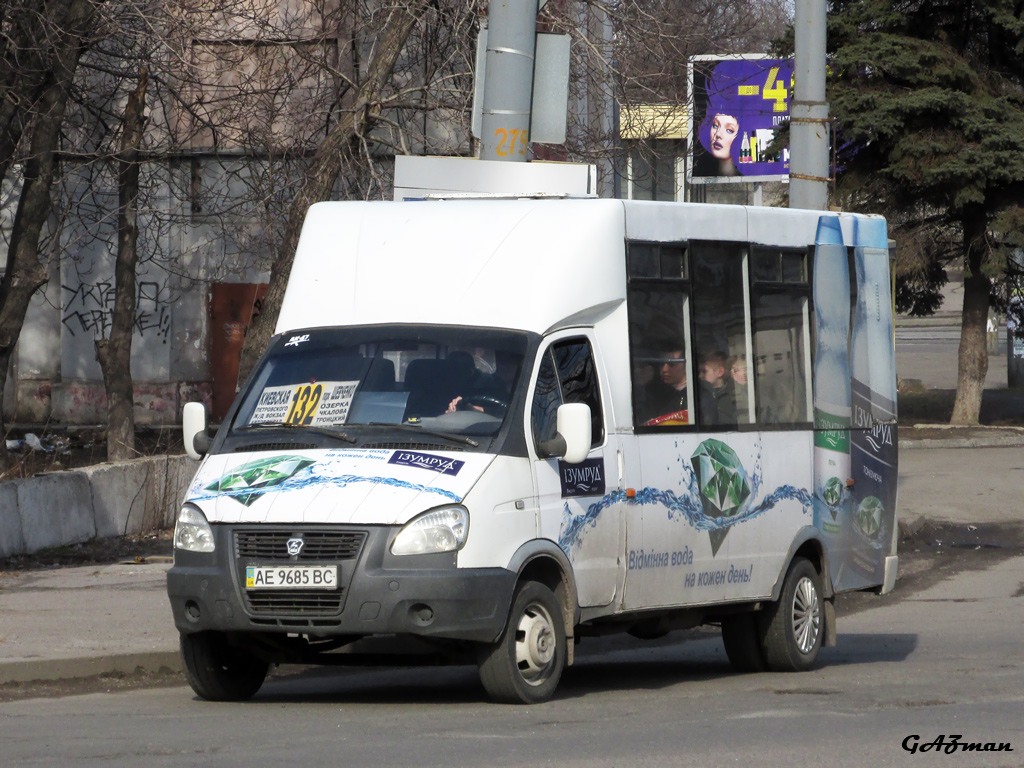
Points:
(535, 644)
(806, 615)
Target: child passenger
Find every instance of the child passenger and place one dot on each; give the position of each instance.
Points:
(738, 373)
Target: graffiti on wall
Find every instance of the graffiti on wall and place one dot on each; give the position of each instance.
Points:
(89, 310)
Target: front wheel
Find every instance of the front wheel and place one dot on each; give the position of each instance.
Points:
(218, 671)
(792, 627)
(524, 666)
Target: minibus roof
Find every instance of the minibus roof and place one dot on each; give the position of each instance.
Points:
(523, 264)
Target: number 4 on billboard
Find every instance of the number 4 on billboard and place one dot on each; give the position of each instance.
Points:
(775, 90)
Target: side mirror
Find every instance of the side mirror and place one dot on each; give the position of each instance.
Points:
(193, 429)
(574, 433)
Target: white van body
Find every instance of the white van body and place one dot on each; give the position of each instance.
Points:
(656, 527)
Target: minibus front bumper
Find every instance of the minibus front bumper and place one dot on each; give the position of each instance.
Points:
(376, 592)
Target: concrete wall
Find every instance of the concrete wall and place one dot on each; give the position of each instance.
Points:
(107, 500)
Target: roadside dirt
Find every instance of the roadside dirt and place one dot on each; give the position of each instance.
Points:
(132, 549)
(53, 449)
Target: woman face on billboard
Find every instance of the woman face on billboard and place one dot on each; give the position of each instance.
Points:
(723, 131)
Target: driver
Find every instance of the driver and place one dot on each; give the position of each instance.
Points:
(489, 392)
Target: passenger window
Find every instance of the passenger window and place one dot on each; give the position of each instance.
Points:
(567, 374)
(660, 355)
(746, 358)
(780, 300)
(720, 333)
(659, 334)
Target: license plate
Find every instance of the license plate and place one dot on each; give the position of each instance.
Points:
(291, 577)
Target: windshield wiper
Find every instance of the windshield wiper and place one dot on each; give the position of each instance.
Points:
(344, 436)
(422, 431)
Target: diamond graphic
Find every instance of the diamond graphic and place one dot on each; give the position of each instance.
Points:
(869, 517)
(832, 493)
(258, 476)
(723, 484)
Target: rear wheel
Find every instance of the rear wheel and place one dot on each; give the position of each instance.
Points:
(218, 671)
(524, 666)
(792, 627)
(742, 642)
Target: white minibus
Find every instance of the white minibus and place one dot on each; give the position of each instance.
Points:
(488, 429)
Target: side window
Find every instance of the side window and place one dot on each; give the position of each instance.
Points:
(780, 299)
(720, 333)
(659, 334)
(567, 374)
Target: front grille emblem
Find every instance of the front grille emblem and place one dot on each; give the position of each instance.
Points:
(295, 546)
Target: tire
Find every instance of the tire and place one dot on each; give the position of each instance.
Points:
(525, 664)
(218, 671)
(742, 641)
(792, 628)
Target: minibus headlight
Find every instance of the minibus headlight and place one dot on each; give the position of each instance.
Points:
(192, 533)
(440, 530)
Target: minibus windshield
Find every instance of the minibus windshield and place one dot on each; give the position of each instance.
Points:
(340, 382)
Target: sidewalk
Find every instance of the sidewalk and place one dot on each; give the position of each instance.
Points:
(83, 621)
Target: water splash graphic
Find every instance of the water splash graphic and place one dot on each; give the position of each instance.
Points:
(687, 507)
(306, 479)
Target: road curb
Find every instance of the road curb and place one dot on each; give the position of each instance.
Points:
(89, 666)
(956, 436)
(995, 441)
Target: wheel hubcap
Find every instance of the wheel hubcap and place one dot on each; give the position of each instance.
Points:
(535, 644)
(806, 615)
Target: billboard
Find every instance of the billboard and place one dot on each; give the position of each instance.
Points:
(738, 103)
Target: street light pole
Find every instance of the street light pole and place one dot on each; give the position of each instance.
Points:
(809, 121)
(508, 83)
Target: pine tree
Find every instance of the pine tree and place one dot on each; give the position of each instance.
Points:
(929, 103)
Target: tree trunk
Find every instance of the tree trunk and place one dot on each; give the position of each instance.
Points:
(25, 273)
(973, 355)
(339, 147)
(115, 353)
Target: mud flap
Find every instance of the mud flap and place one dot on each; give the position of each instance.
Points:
(829, 641)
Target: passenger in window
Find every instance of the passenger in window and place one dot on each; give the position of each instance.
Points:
(664, 401)
(738, 374)
(713, 373)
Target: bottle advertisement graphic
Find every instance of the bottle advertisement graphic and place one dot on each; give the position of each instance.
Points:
(873, 442)
(832, 392)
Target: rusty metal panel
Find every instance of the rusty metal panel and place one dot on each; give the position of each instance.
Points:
(233, 307)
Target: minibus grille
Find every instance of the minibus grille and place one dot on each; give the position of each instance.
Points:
(295, 603)
(318, 545)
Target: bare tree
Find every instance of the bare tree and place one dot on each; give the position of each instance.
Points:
(343, 142)
(115, 352)
(61, 40)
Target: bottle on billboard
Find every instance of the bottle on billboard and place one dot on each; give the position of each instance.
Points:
(873, 441)
(832, 391)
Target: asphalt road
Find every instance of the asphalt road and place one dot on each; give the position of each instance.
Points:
(942, 655)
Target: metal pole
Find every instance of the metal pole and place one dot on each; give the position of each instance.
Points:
(508, 84)
(809, 125)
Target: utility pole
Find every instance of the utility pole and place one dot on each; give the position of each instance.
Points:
(508, 83)
(809, 122)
